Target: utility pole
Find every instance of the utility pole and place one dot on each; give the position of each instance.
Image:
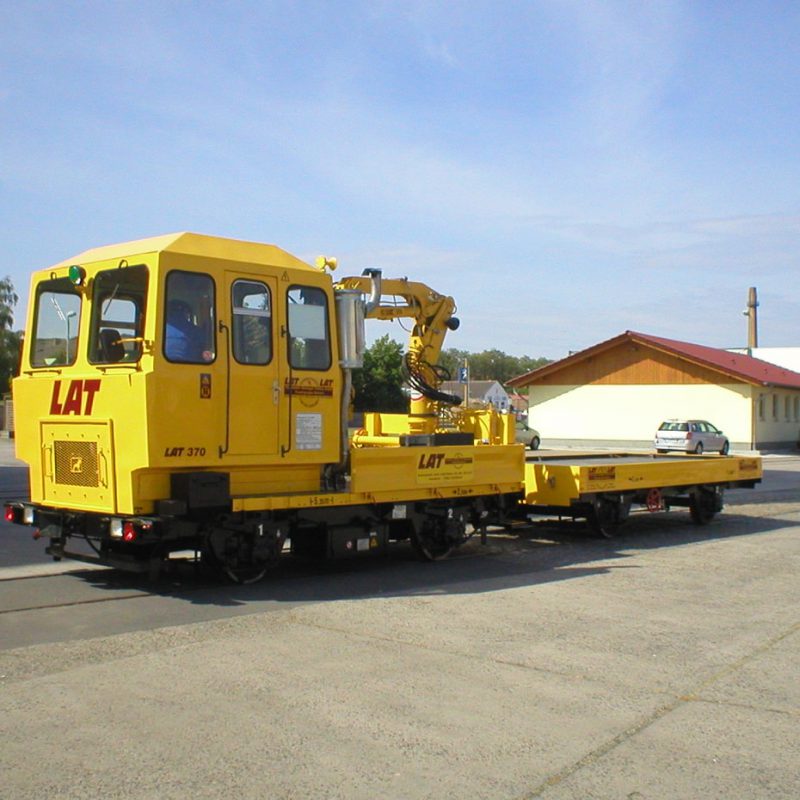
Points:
(751, 313)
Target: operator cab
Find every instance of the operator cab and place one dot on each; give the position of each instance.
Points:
(180, 353)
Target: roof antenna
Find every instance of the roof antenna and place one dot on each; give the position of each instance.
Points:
(752, 322)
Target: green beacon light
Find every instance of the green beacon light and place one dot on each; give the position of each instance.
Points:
(77, 275)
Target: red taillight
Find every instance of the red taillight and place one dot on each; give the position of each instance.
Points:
(11, 514)
(132, 529)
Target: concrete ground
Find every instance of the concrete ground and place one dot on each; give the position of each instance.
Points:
(662, 665)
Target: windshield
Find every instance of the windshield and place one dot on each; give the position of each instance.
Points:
(674, 426)
(118, 308)
(56, 325)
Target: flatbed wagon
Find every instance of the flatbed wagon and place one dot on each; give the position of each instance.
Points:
(603, 487)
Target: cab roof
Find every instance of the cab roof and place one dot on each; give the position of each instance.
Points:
(193, 244)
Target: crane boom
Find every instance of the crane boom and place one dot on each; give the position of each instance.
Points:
(433, 316)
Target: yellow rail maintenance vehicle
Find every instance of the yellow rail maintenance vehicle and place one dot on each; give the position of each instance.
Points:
(189, 392)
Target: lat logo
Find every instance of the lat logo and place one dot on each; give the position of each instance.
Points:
(78, 398)
(432, 461)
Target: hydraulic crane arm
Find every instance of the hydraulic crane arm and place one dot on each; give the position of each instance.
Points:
(432, 314)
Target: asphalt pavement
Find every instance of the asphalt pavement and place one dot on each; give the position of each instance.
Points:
(661, 664)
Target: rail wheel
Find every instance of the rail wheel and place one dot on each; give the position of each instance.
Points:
(703, 505)
(436, 537)
(242, 556)
(605, 517)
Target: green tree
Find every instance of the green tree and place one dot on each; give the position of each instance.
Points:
(495, 365)
(379, 382)
(9, 339)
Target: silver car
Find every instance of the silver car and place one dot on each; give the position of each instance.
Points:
(690, 436)
(527, 436)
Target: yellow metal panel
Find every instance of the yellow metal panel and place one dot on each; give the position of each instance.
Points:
(409, 468)
(78, 465)
(332, 499)
(404, 474)
(550, 484)
(192, 244)
(660, 473)
(557, 484)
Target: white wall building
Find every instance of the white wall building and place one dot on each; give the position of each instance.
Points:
(619, 391)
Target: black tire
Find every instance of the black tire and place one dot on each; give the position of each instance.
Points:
(535, 442)
(699, 449)
(660, 450)
(725, 449)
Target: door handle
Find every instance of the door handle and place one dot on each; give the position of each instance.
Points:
(102, 475)
(49, 468)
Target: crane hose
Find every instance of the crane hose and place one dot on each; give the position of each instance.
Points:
(415, 369)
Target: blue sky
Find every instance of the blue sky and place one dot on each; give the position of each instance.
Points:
(566, 170)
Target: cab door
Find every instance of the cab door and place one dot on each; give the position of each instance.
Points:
(254, 379)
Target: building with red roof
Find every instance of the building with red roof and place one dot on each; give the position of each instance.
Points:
(617, 392)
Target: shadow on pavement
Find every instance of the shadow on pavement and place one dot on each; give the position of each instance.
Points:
(543, 552)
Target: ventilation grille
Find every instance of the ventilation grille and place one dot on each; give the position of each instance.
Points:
(76, 463)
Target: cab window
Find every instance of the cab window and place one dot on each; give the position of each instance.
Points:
(189, 336)
(252, 322)
(118, 307)
(56, 325)
(309, 346)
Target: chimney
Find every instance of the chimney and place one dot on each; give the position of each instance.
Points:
(752, 319)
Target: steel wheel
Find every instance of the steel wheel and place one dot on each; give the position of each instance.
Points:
(699, 449)
(604, 518)
(430, 547)
(703, 505)
(535, 442)
(437, 536)
(241, 556)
